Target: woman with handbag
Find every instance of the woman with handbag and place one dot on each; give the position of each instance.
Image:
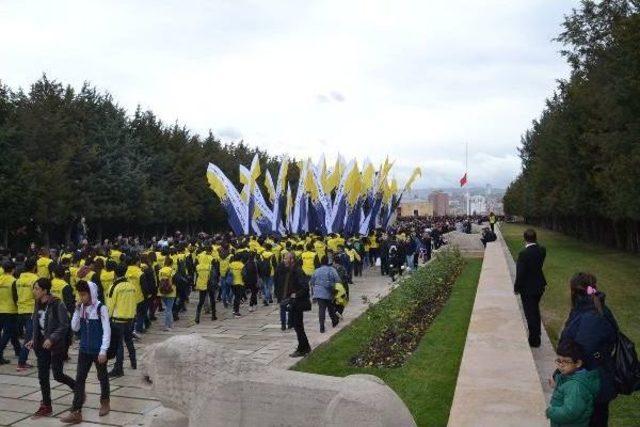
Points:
(298, 301)
(282, 279)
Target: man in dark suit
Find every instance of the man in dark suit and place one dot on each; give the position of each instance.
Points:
(530, 283)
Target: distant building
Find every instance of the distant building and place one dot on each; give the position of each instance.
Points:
(440, 202)
(478, 205)
(456, 207)
(415, 207)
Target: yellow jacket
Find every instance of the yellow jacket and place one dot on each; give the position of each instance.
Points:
(43, 267)
(124, 300)
(236, 272)
(24, 287)
(133, 275)
(7, 304)
(166, 273)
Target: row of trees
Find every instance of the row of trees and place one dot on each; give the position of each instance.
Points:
(66, 154)
(581, 158)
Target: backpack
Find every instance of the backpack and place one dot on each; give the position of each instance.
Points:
(165, 286)
(626, 373)
(116, 336)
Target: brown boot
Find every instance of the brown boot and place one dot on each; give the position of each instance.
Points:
(104, 407)
(73, 417)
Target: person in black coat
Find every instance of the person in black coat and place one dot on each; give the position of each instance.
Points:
(592, 325)
(530, 283)
(294, 287)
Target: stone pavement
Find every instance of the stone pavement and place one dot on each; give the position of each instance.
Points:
(257, 335)
(498, 384)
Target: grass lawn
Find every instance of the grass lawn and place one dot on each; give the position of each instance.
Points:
(618, 276)
(427, 381)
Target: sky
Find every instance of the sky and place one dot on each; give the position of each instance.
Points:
(412, 80)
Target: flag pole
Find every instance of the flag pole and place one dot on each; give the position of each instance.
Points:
(466, 172)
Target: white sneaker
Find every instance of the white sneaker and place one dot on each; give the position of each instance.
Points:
(251, 309)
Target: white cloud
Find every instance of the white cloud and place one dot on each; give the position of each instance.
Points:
(412, 79)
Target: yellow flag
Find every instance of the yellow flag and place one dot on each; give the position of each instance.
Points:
(217, 185)
(268, 183)
(415, 175)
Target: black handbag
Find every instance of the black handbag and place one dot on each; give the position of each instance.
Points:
(626, 365)
(626, 368)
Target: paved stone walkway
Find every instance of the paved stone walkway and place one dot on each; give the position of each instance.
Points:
(257, 335)
(498, 384)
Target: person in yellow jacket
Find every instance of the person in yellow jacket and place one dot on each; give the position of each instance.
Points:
(62, 290)
(320, 248)
(134, 276)
(124, 296)
(206, 280)
(167, 291)
(107, 278)
(310, 261)
(266, 270)
(25, 301)
(8, 311)
(236, 267)
(374, 245)
(44, 264)
(340, 298)
(226, 280)
(116, 255)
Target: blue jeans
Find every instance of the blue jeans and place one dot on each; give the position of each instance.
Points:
(126, 334)
(227, 293)
(25, 319)
(410, 261)
(168, 311)
(8, 332)
(283, 318)
(267, 285)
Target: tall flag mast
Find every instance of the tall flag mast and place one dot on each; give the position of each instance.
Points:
(463, 180)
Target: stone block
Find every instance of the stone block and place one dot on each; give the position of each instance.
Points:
(217, 387)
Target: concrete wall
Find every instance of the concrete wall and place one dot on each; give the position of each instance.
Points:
(498, 384)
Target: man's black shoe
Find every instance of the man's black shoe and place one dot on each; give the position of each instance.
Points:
(299, 353)
(116, 374)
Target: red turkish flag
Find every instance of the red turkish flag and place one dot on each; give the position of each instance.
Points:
(463, 180)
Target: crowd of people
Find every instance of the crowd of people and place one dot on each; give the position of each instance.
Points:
(106, 296)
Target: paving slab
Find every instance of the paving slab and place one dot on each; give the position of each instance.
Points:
(15, 391)
(9, 417)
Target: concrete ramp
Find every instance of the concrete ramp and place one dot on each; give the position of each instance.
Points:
(498, 384)
(469, 244)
